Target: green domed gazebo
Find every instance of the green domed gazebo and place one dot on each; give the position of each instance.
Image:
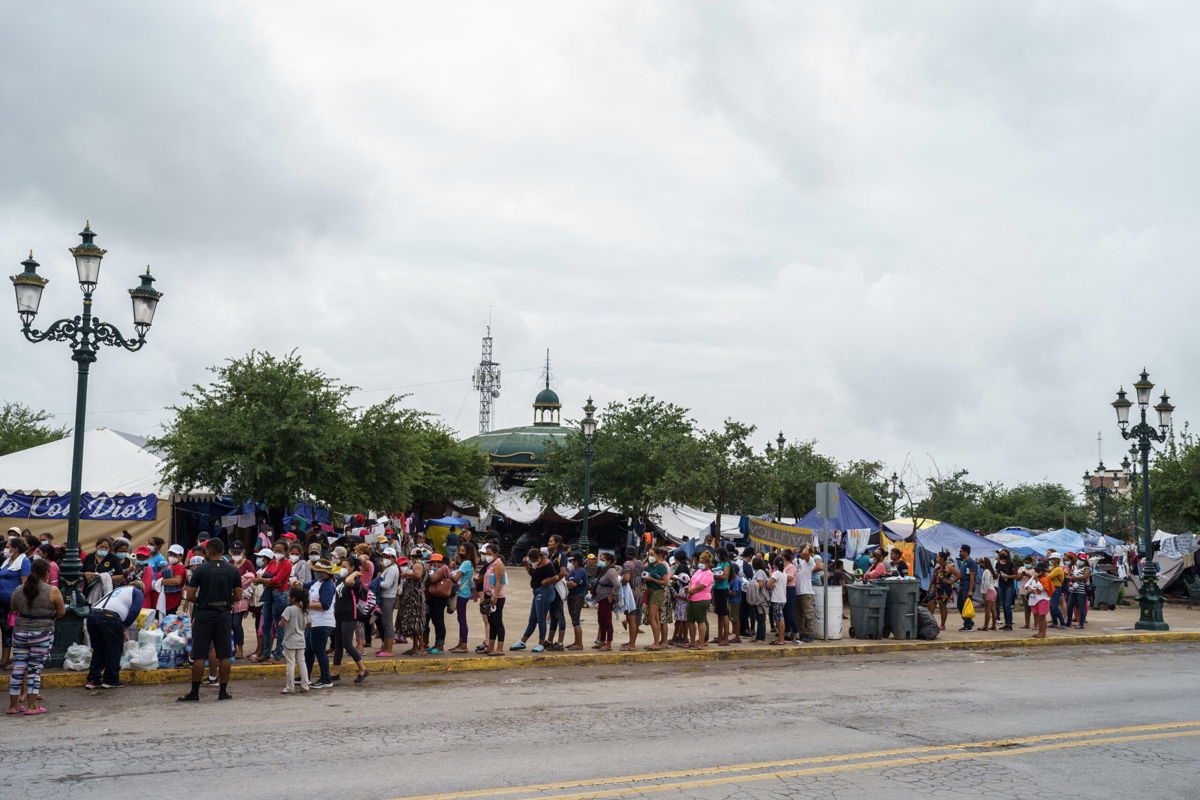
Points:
(525, 448)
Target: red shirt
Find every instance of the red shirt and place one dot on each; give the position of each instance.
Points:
(277, 573)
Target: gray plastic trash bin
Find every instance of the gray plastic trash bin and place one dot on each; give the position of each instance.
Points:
(900, 617)
(1107, 589)
(867, 606)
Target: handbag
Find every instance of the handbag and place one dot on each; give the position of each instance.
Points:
(443, 586)
(968, 610)
(561, 588)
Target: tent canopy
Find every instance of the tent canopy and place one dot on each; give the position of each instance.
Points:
(944, 536)
(850, 516)
(112, 464)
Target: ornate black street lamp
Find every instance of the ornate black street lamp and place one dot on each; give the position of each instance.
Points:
(780, 441)
(1101, 490)
(1150, 599)
(894, 486)
(588, 427)
(85, 333)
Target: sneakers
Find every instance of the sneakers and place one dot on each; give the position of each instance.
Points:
(188, 698)
(554, 646)
(433, 651)
(519, 646)
(538, 649)
(209, 680)
(90, 685)
(363, 677)
(320, 685)
(116, 685)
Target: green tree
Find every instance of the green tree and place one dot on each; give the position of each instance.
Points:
(272, 430)
(21, 428)
(720, 471)
(1175, 484)
(793, 474)
(637, 449)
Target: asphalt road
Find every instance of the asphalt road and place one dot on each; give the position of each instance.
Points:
(1086, 722)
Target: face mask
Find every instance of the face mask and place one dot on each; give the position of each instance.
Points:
(387, 562)
(293, 558)
(651, 559)
(279, 556)
(314, 559)
(101, 554)
(343, 572)
(38, 557)
(262, 562)
(142, 562)
(121, 556)
(237, 558)
(174, 560)
(488, 559)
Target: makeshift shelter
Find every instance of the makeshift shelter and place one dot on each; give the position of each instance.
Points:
(944, 536)
(122, 489)
(856, 528)
(903, 528)
(1063, 540)
(437, 529)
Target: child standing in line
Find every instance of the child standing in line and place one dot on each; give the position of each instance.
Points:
(295, 620)
(1037, 594)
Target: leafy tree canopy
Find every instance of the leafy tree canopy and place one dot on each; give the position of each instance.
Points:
(21, 428)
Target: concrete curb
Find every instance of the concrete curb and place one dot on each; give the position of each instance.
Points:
(426, 664)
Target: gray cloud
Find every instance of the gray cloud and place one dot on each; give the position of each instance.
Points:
(928, 231)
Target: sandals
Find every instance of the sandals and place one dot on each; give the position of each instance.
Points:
(33, 712)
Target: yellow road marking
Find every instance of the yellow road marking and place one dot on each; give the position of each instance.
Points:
(652, 776)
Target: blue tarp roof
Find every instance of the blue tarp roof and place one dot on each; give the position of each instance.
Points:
(1017, 531)
(850, 516)
(1062, 540)
(944, 536)
(458, 522)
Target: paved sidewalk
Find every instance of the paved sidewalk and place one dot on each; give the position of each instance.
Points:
(1103, 628)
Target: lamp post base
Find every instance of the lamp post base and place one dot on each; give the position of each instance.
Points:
(68, 630)
(1151, 601)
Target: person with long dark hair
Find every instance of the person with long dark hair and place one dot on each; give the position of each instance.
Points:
(37, 605)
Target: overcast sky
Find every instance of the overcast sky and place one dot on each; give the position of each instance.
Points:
(911, 231)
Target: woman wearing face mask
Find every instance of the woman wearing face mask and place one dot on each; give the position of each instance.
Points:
(494, 581)
(463, 575)
(301, 571)
(410, 605)
(45, 552)
(607, 586)
(345, 616)
(389, 589)
(274, 579)
(13, 571)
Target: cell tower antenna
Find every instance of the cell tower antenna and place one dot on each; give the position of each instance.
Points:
(486, 380)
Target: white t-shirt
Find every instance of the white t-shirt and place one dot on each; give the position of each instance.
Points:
(779, 590)
(804, 573)
(319, 618)
(389, 582)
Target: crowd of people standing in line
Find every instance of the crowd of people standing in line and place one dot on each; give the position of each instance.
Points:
(315, 605)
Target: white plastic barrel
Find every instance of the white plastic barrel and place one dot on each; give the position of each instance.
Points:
(835, 612)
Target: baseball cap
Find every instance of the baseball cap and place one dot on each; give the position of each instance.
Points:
(435, 557)
(265, 552)
(196, 560)
(314, 548)
(389, 551)
(237, 547)
(143, 551)
(175, 549)
(592, 556)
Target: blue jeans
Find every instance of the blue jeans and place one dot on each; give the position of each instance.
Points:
(1007, 595)
(274, 603)
(791, 624)
(558, 620)
(1077, 600)
(316, 645)
(1056, 615)
(542, 599)
(760, 623)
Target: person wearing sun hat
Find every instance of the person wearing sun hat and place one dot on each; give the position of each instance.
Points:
(321, 595)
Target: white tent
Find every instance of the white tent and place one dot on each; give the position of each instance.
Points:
(116, 467)
(680, 521)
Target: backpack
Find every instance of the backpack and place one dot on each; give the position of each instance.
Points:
(756, 595)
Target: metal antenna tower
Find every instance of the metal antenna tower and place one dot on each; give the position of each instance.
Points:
(486, 381)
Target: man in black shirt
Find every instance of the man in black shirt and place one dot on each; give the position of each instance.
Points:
(213, 588)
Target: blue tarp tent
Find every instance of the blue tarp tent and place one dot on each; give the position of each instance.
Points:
(945, 536)
(449, 522)
(850, 516)
(1063, 540)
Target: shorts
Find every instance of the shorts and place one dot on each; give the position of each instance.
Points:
(721, 602)
(776, 612)
(1042, 608)
(735, 604)
(697, 611)
(214, 633)
(989, 595)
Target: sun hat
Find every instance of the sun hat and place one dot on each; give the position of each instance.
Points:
(322, 565)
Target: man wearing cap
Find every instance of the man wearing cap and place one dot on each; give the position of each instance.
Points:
(968, 571)
(321, 596)
(212, 589)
